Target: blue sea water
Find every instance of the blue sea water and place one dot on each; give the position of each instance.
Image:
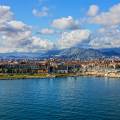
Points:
(72, 98)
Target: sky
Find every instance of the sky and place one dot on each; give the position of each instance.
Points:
(41, 25)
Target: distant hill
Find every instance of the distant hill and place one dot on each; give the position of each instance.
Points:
(71, 53)
(80, 53)
(111, 52)
(19, 55)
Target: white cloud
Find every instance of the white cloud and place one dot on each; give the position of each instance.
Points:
(47, 31)
(42, 13)
(16, 36)
(65, 23)
(17, 25)
(41, 43)
(107, 37)
(23, 42)
(13, 38)
(93, 10)
(112, 17)
(73, 38)
(5, 14)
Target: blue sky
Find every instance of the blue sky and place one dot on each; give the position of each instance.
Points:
(59, 22)
(59, 8)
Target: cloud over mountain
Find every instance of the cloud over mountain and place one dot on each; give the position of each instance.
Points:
(73, 38)
(106, 37)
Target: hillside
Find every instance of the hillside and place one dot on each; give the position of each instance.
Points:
(71, 53)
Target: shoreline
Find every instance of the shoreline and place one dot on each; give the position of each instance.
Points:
(55, 75)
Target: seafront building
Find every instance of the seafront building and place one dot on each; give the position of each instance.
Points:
(58, 66)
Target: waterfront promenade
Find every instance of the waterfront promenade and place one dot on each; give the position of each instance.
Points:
(17, 69)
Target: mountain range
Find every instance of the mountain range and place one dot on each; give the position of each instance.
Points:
(70, 53)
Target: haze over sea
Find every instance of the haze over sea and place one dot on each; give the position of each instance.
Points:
(71, 98)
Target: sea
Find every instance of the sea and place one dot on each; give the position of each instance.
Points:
(69, 98)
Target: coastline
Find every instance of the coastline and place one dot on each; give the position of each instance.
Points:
(101, 74)
(54, 75)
